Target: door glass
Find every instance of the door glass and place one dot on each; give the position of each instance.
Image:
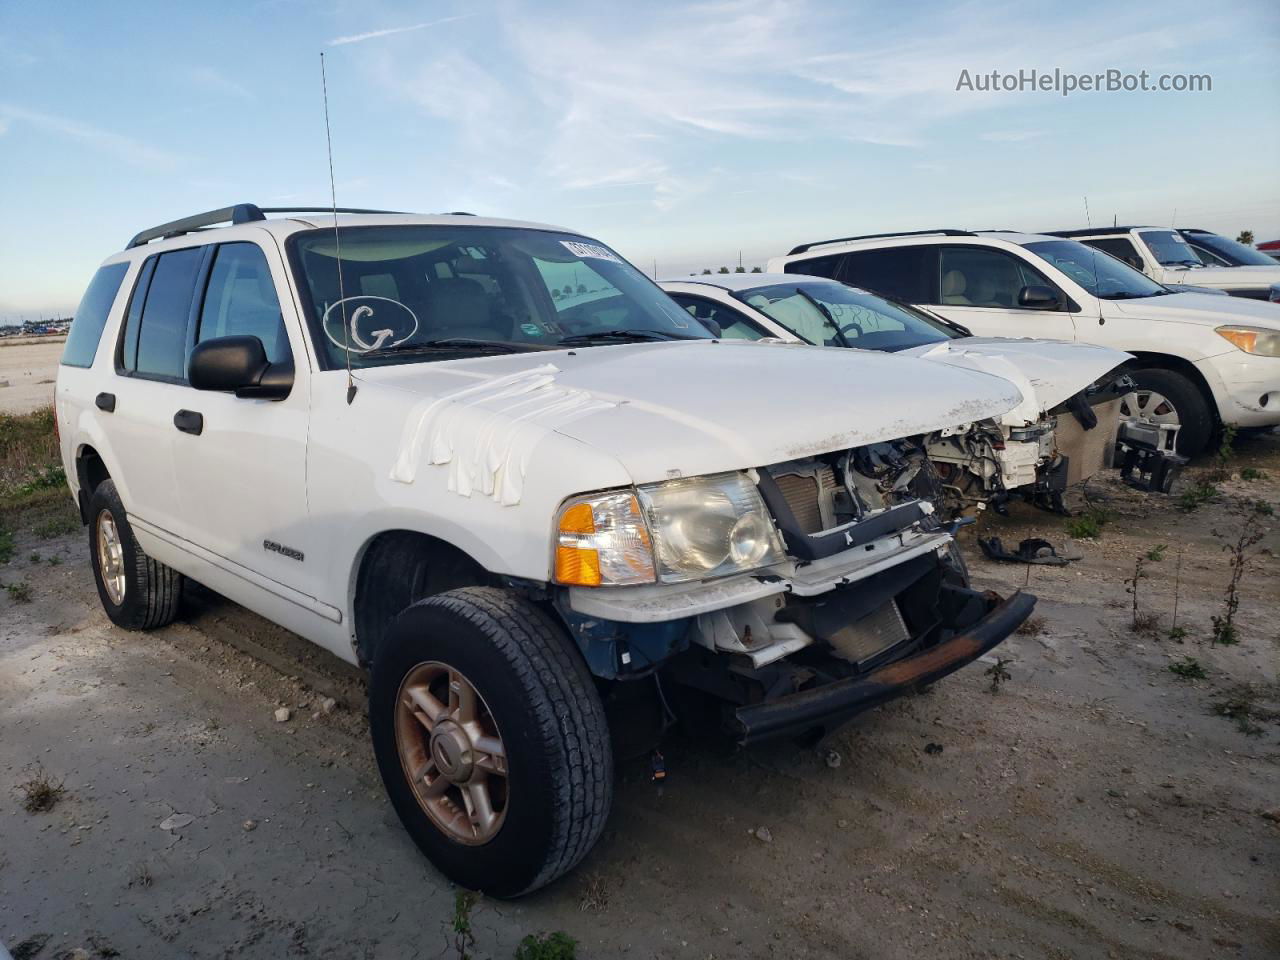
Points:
(978, 277)
(904, 273)
(241, 300)
(1120, 248)
(162, 337)
(733, 325)
(816, 266)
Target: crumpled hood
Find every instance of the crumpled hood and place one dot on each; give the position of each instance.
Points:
(673, 409)
(1200, 308)
(1046, 372)
(1247, 276)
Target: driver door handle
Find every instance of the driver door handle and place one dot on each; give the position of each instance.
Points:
(188, 421)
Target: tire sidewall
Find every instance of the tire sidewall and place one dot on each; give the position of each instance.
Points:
(1194, 415)
(105, 498)
(507, 864)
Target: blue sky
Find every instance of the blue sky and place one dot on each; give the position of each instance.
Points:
(676, 133)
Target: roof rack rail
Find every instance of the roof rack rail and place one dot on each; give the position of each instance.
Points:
(240, 213)
(880, 236)
(1087, 231)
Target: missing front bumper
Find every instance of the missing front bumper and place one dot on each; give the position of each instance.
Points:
(825, 708)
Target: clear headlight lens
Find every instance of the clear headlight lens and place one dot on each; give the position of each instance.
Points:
(670, 532)
(709, 527)
(1255, 340)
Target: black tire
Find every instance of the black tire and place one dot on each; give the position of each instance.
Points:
(1194, 413)
(152, 591)
(537, 688)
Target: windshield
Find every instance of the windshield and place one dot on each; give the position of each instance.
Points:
(1169, 249)
(411, 293)
(1232, 251)
(834, 315)
(1099, 273)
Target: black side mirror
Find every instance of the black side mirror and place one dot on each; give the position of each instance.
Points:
(712, 327)
(239, 364)
(1036, 297)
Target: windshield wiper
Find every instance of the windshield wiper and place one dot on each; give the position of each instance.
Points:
(454, 345)
(822, 309)
(623, 336)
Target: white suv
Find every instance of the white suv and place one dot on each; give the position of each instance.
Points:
(1179, 258)
(1200, 361)
(497, 465)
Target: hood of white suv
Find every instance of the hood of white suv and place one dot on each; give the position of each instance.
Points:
(673, 409)
(1202, 308)
(1228, 278)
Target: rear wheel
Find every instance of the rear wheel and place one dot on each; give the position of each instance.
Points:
(491, 739)
(137, 592)
(1166, 397)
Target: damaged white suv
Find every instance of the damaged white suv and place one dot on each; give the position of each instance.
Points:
(498, 466)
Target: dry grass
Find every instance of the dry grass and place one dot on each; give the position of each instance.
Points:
(1031, 627)
(595, 893)
(33, 485)
(41, 793)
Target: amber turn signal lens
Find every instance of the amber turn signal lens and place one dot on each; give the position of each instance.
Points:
(1246, 340)
(578, 567)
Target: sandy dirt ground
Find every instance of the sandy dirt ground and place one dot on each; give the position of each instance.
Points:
(1096, 806)
(27, 370)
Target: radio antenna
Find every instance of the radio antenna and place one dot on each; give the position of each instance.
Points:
(337, 242)
(1088, 222)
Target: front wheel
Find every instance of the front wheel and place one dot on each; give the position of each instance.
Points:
(491, 739)
(137, 592)
(1166, 397)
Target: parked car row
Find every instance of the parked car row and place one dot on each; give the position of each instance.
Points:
(551, 508)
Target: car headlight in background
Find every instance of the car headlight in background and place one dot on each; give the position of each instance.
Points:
(671, 532)
(1255, 340)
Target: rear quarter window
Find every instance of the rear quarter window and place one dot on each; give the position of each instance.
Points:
(91, 316)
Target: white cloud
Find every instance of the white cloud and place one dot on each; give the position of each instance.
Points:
(131, 151)
(207, 78)
(1011, 136)
(390, 31)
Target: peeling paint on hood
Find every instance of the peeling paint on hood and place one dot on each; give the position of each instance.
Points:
(1046, 372)
(683, 408)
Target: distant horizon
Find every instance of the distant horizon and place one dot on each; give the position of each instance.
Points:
(696, 132)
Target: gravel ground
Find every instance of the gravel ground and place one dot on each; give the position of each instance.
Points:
(1096, 806)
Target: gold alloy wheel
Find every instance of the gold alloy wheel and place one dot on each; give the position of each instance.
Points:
(452, 752)
(110, 557)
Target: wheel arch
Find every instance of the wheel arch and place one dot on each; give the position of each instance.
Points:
(395, 568)
(1147, 360)
(91, 471)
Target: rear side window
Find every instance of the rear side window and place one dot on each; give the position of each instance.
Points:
(907, 273)
(816, 267)
(155, 339)
(241, 300)
(91, 315)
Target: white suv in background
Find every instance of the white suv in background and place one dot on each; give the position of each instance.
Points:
(1177, 258)
(1200, 361)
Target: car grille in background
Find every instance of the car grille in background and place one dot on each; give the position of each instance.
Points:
(804, 496)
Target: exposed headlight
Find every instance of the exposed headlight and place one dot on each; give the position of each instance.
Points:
(1256, 340)
(671, 532)
(709, 527)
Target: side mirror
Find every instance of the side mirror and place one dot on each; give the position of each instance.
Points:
(239, 364)
(712, 327)
(1036, 297)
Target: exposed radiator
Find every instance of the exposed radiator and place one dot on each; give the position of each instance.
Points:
(806, 495)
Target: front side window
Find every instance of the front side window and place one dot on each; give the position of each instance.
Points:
(833, 314)
(904, 273)
(240, 299)
(91, 316)
(426, 292)
(1101, 275)
(1169, 248)
(1230, 252)
(1119, 247)
(733, 325)
(981, 277)
(155, 334)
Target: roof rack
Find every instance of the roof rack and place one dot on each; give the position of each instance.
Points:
(880, 236)
(240, 213)
(1087, 231)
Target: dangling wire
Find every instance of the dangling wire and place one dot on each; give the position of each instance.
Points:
(337, 242)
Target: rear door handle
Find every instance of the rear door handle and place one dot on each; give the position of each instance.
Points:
(188, 421)
(106, 402)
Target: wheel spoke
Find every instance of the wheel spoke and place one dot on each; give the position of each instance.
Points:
(490, 745)
(481, 807)
(462, 698)
(420, 772)
(436, 787)
(423, 704)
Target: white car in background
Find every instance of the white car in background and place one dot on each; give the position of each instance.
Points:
(1178, 258)
(1199, 361)
(1050, 441)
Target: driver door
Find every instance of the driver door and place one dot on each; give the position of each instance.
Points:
(978, 287)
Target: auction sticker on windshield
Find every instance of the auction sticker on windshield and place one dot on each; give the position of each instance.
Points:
(589, 250)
